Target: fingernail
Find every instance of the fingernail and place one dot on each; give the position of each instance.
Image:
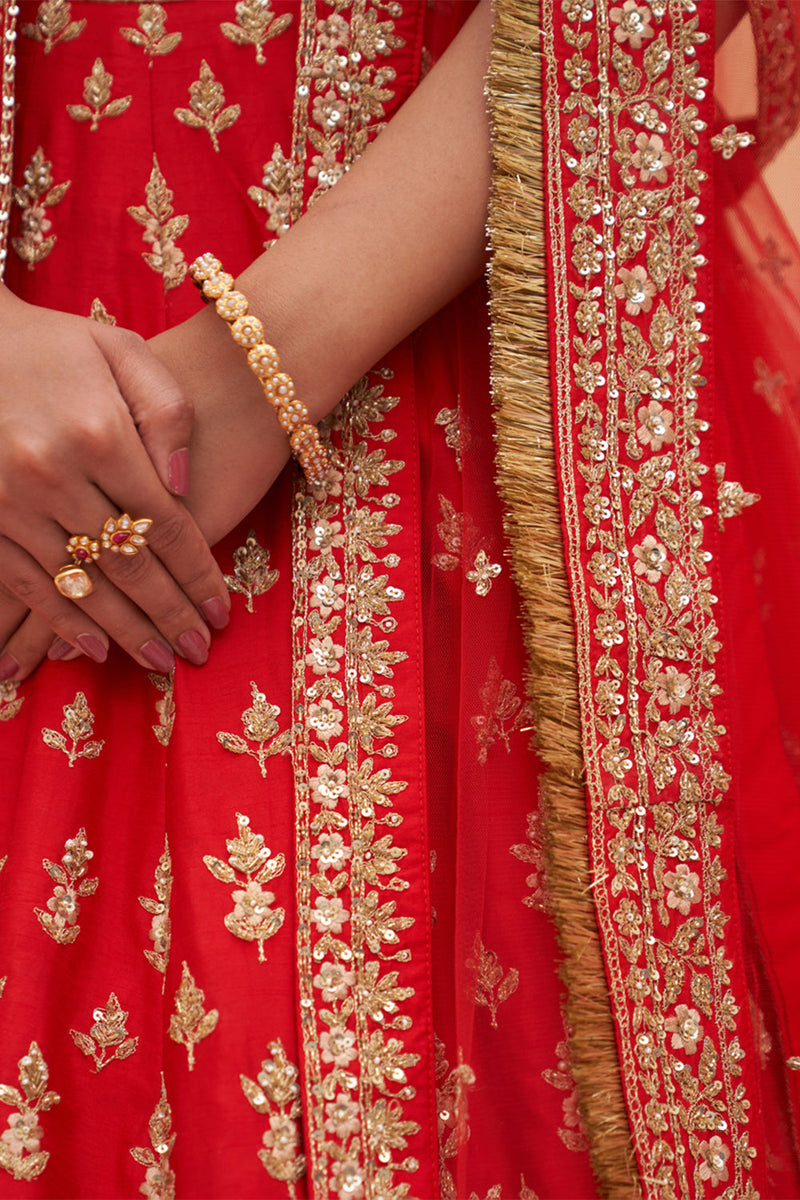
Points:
(59, 649)
(159, 656)
(92, 647)
(215, 612)
(8, 666)
(178, 467)
(192, 646)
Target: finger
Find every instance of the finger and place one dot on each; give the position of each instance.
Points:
(121, 620)
(162, 413)
(31, 642)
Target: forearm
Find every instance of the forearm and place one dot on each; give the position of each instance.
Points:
(394, 240)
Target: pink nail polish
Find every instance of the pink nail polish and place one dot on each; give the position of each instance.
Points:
(215, 612)
(179, 471)
(192, 647)
(92, 647)
(8, 667)
(59, 649)
(158, 655)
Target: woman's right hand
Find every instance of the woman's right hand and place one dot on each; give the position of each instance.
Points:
(71, 456)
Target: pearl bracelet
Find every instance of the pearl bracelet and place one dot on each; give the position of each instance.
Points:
(217, 285)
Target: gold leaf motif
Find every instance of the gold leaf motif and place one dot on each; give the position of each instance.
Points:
(190, 1023)
(54, 24)
(61, 922)
(37, 194)
(732, 499)
(532, 853)
(160, 927)
(251, 571)
(255, 25)
(207, 106)
(276, 1094)
(108, 1034)
(260, 727)
(572, 1133)
(452, 1088)
(100, 313)
(464, 546)
(275, 196)
(456, 437)
(492, 987)
(161, 229)
(151, 34)
(77, 726)
(10, 701)
(20, 1155)
(165, 707)
(503, 712)
(160, 1178)
(252, 919)
(729, 140)
(97, 94)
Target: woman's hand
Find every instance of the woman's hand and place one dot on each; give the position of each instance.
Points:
(70, 457)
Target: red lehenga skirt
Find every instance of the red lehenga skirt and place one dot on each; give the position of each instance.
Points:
(277, 925)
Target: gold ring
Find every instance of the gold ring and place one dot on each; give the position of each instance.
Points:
(73, 582)
(123, 535)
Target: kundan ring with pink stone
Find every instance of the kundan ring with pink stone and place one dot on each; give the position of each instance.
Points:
(123, 535)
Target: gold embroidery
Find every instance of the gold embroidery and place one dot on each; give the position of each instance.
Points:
(770, 385)
(451, 1112)
(572, 1133)
(456, 437)
(97, 96)
(54, 24)
(532, 852)
(260, 727)
(165, 707)
(492, 987)
(252, 918)
(464, 546)
(503, 712)
(730, 140)
(252, 575)
(107, 1032)
(100, 313)
(277, 1095)
(496, 1192)
(10, 701)
(190, 1023)
(77, 725)
(151, 34)
(255, 25)
(161, 229)
(160, 927)
(61, 921)
(207, 106)
(732, 499)
(37, 194)
(20, 1155)
(159, 1177)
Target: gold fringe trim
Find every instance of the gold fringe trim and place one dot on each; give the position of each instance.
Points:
(528, 484)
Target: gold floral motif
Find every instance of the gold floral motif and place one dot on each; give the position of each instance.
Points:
(190, 1023)
(152, 35)
(572, 1133)
(255, 25)
(97, 96)
(159, 1180)
(54, 24)
(160, 927)
(77, 725)
(770, 385)
(503, 712)
(464, 546)
(729, 140)
(732, 499)
(492, 986)
(275, 193)
(108, 1033)
(98, 312)
(20, 1155)
(456, 436)
(37, 194)
(496, 1192)
(252, 575)
(165, 707)
(161, 229)
(10, 701)
(276, 1095)
(260, 727)
(252, 918)
(207, 106)
(452, 1087)
(61, 922)
(532, 853)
